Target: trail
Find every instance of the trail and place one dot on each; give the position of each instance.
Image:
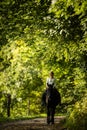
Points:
(33, 124)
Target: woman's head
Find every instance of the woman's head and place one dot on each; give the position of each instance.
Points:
(51, 74)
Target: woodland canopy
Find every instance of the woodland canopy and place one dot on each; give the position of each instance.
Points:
(37, 36)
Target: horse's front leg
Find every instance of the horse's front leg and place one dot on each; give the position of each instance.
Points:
(48, 115)
(52, 114)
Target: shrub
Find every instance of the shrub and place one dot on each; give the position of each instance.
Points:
(77, 119)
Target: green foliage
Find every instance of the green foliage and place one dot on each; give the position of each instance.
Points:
(77, 119)
(36, 37)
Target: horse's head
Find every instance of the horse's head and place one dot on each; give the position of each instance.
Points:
(49, 95)
(52, 97)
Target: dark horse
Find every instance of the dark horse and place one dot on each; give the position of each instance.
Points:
(51, 98)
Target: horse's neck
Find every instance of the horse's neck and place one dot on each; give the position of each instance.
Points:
(50, 91)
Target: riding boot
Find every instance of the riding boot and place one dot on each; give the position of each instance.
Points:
(47, 97)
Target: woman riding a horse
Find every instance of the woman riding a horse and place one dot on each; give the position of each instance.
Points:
(51, 98)
(50, 84)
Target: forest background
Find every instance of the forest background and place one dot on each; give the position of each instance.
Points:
(37, 36)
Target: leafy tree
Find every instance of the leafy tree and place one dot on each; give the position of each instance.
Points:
(37, 36)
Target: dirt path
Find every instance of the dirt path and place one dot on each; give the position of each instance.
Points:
(33, 124)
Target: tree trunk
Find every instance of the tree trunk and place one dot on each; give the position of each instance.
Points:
(28, 112)
(8, 104)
